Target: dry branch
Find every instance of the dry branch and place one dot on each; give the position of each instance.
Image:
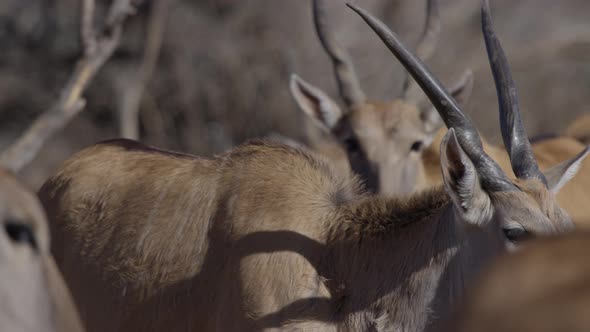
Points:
(131, 98)
(97, 50)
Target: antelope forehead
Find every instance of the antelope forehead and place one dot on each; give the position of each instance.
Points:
(402, 115)
(540, 197)
(531, 219)
(365, 119)
(519, 208)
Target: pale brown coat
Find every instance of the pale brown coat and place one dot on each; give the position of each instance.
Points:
(33, 294)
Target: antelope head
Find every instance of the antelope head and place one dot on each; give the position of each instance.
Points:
(523, 206)
(34, 296)
(383, 140)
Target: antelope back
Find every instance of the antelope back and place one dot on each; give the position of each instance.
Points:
(268, 236)
(34, 295)
(99, 241)
(189, 235)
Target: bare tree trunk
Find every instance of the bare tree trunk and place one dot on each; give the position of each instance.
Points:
(97, 50)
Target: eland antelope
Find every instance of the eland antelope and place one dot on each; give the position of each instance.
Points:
(381, 141)
(33, 295)
(267, 236)
(574, 196)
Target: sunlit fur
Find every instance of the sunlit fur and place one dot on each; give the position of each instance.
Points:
(265, 236)
(33, 296)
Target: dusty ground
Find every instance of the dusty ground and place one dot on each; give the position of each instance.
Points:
(223, 72)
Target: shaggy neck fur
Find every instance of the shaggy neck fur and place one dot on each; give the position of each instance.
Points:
(407, 257)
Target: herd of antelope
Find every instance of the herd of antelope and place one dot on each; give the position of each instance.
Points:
(407, 220)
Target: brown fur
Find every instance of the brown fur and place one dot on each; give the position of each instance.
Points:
(573, 197)
(545, 287)
(380, 141)
(264, 236)
(385, 133)
(32, 292)
(580, 129)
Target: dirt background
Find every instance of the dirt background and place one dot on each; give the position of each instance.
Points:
(223, 71)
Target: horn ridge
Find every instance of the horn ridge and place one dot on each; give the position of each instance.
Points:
(514, 135)
(491, 175)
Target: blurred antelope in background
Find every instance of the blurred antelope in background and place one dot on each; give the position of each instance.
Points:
(545, 287)
(33, 294)
(267, 236)
(381, 141)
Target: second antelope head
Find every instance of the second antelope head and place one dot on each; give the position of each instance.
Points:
(533, 191)
(383, 140)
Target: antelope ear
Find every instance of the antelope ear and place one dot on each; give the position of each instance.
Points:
(462, 183)
(558, 175)
(315, 103)
(461, 91)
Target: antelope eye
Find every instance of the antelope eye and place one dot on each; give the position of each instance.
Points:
(20, 233)
(416, 146)
(516, 234)
(352, 144)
